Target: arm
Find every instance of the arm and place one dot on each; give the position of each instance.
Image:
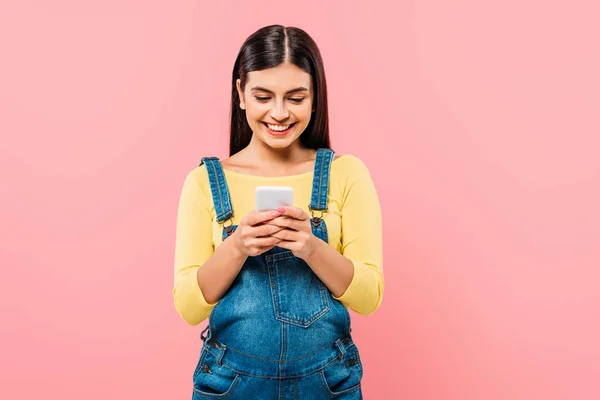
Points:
(202, 275)
(354, 277)
(335, 270)
(362, 242)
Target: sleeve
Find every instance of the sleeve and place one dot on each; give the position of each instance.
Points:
(361, 241)
(193, 246)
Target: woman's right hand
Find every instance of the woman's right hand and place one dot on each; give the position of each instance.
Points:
(252, 236)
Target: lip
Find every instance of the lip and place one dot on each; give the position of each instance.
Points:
(273, 133)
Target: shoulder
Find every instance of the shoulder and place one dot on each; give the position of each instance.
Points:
(196, 181)
(350, 173)
(348, 165)
(198, 174)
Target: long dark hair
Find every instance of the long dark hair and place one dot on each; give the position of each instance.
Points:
(267, 48)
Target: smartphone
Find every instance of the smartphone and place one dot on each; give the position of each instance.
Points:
(273, 197)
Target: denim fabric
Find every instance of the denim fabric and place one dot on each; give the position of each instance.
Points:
(278, 333)
(320, 187)
(219, 189)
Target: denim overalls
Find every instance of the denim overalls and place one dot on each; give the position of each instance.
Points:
(277, 333)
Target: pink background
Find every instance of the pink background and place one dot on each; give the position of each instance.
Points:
(478, 121)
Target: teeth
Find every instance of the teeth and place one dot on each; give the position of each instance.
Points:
(279, 128)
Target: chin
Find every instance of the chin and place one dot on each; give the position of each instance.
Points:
(278, 144)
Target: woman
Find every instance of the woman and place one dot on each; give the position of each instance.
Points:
(276, 285)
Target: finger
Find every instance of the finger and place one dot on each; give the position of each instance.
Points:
(265, 230)
(287, 244)
(259, 250)
(260, 217)
(287, 222)
(294, 212)
(263, 242)
(286, 235)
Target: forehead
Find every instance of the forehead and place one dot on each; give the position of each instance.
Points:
(279, 79)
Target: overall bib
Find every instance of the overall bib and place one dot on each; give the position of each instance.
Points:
(277, 333)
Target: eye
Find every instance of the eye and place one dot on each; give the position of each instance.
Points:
(296, 100)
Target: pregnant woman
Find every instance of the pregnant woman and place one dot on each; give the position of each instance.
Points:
(276, 285)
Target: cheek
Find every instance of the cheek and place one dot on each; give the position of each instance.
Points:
(304, 114)
(254, 113)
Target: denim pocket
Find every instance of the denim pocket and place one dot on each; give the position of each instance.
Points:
(299, 296)
(343, 377)
(212, 381)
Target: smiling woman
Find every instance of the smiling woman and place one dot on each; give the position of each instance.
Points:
(276, 285)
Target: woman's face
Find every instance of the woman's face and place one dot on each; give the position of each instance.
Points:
(278, 103)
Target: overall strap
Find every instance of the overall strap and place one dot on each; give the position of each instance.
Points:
(218, 188)
(320, 186)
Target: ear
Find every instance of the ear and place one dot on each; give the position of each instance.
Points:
(240, 91)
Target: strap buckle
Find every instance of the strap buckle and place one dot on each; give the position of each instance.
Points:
(228, 219)
(228, 228)
(312, 211)
(202, 333)
(316, 221)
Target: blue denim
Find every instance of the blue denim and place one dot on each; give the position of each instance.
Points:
(277, 333)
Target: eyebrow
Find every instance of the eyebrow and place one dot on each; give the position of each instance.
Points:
(262, 89)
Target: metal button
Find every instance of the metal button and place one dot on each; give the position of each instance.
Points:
(345, 340)
(351, 363)
(205, 368)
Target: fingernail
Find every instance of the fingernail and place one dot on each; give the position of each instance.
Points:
(275, 213)
(281, 209)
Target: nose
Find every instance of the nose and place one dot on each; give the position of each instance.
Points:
(279, 112)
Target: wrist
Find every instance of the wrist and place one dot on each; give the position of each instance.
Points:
(315, 246)
(233, 245)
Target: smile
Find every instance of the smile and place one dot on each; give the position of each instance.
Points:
(278, 130)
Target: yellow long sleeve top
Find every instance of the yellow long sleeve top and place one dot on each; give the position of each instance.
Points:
(353, 224)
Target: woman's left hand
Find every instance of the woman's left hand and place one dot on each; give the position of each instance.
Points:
(297, 235)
